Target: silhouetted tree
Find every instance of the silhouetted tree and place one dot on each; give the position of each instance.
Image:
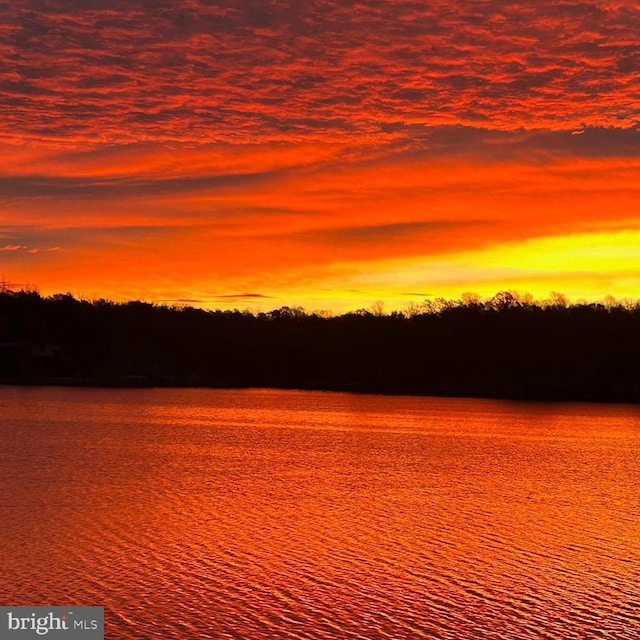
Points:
(507, 346)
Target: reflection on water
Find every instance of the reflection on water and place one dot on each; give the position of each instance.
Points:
(271, 514)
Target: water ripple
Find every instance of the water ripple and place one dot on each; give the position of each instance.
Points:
(267, 515)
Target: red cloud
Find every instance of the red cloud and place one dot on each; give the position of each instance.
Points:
(256, 138)
(320, 70)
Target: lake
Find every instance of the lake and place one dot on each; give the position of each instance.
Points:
(255, 514)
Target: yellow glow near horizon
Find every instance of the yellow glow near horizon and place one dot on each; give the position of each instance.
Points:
(582, 266)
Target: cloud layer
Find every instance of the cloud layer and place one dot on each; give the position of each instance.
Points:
(314, 149)
(268, 70)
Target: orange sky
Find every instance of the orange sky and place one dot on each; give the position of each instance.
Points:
(253, 154)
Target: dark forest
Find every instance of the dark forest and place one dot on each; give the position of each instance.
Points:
(506, 347)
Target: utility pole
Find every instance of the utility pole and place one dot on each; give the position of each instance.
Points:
(12, 287)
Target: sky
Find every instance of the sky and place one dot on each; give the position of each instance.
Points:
(320, 153)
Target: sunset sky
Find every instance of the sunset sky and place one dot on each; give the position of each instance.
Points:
(322, 153)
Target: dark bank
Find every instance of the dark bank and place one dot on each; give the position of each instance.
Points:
(507, 347)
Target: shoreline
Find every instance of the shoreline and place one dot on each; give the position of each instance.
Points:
(141, 382)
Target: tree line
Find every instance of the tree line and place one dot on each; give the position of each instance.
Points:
(509, 346)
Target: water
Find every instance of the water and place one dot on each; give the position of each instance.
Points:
(275, 514)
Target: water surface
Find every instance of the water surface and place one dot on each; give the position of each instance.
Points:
(278, 514)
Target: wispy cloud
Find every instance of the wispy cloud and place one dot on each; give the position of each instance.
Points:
(244, 296)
